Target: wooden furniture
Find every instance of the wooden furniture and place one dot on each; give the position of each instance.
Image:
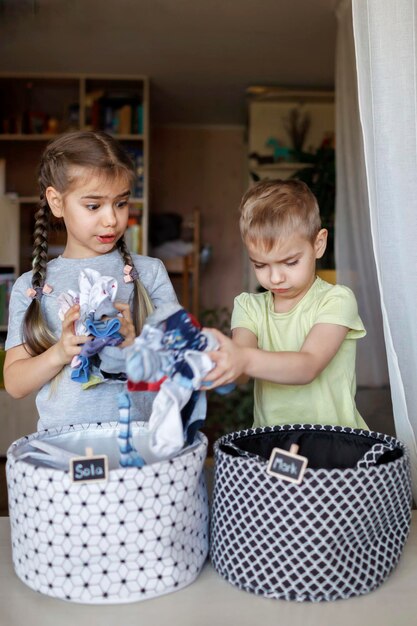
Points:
(187, 268)
(35, 108)
(329, 276)
(212, 600)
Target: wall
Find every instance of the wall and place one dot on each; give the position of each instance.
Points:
(205, 167)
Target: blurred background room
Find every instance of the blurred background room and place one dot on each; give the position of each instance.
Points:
(208, 97)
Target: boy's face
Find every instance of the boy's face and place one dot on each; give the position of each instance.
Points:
(289, 269)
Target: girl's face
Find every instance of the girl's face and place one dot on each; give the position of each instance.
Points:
(95, 211)
(289, 269)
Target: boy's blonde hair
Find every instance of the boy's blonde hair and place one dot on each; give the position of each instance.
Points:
(274, 209)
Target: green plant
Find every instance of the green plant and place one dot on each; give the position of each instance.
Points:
(226, 413)
(217, 317)
(320, 176)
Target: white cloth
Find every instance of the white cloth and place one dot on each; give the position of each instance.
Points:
(355, 262)
(95, 297)
(149, 359)
(385, 36)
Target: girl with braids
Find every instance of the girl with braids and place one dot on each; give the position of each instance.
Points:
(85, 179)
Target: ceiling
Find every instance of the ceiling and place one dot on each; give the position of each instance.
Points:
(200, 55)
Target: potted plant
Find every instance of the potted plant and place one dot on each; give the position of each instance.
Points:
(320, 175)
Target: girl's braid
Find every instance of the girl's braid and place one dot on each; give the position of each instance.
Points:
(142, 304)
(40, 243)
(36, 335)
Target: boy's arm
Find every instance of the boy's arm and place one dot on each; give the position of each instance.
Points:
(286, 368)
(246, 339)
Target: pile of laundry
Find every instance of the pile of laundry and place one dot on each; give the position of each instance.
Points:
(99, 360)
(169, 357)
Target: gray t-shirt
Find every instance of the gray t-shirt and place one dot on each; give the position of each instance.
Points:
(63, 401)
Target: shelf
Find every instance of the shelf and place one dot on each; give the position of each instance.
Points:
(48, 137)
(46, 105)
(128, 137)
(284, 165)
(26, 199)
(33, 199)
(287, 94)
(27, 137)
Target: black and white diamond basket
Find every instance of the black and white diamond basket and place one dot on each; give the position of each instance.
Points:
(141, 534)
(338, 534)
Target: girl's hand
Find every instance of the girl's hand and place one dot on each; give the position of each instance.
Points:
(127, 328)
(229, 360)
(69, 344)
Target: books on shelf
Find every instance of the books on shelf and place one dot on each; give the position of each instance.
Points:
(133, 236)
(124, 120)
(136, 154)
(7, 278)
(117, 113)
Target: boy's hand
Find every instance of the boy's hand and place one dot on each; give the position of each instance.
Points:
(229, 360)
(127, 328)
(69, 344)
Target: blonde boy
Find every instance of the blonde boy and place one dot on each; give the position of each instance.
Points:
(298, 338)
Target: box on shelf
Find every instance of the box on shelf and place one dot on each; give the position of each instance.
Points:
(7, 278)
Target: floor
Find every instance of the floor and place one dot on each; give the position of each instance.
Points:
(373, 404)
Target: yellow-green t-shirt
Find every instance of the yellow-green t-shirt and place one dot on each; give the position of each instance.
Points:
(329, 398)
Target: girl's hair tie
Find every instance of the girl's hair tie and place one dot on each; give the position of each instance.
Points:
(37, 292)
(130, 274)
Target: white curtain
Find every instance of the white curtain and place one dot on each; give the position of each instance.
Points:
(385, 46)
(353, 244)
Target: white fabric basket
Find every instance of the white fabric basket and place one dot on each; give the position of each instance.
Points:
(141, 534)
(338, 534)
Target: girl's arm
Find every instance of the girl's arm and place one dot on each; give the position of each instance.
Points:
(286, 368)
(24, 373)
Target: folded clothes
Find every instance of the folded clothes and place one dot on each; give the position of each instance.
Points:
(105, 334)
(98, 318)
(172, 345)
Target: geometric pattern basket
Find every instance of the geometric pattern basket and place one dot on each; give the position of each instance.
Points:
(141, 534)
(338, 534)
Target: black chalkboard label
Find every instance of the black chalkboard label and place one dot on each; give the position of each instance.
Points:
(90, 468)
(288, 466)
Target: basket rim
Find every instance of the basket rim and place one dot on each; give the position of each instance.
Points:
(200, 445)
(259, 462)
(330, 428)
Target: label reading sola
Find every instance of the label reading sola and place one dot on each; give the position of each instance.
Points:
(89, 468)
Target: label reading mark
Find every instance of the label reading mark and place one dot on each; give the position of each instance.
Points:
(288, 466)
